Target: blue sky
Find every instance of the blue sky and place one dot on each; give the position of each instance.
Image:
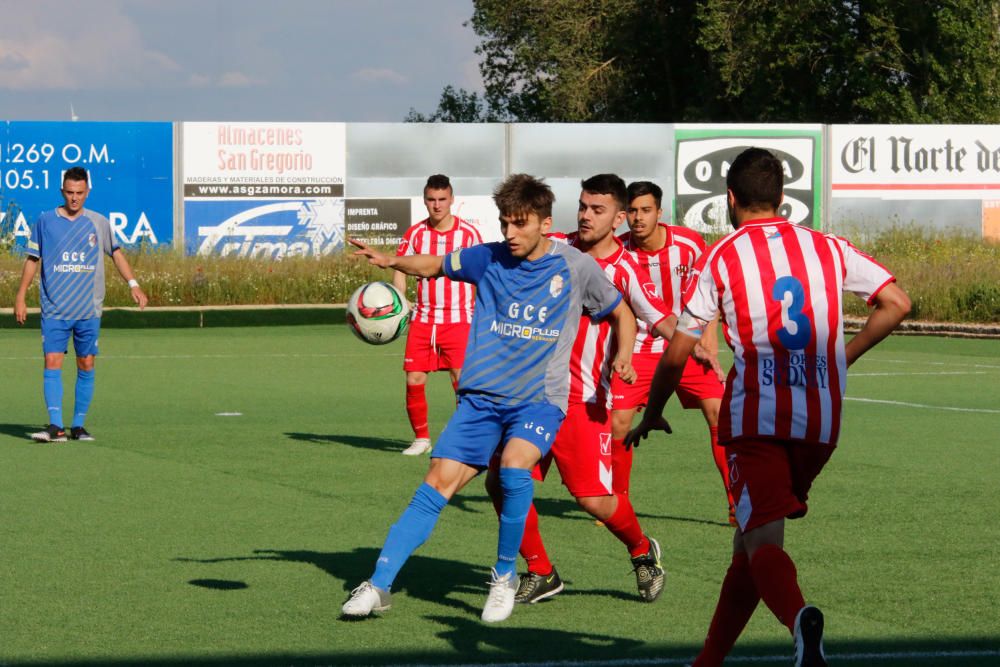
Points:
(308, 60)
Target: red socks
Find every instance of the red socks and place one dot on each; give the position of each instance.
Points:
(416, 410)
(532, 547)
(737, 601)
(769, 576)
(624, 525)
(621, 466)
(775, 578)
(719, 454)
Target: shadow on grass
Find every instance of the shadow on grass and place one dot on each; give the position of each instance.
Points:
(478, 643)
(424, 578)
(20, 431)
(361, 442)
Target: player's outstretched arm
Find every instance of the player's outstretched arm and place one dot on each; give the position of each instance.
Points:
(27, 275)
(423, 266)
(125, 271)
(892, 304)
(624, 326)
(665, 381)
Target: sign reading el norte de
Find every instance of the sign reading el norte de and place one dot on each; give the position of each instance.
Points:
(266, 190)
(915, 161)
(130, 167)
(704, 153)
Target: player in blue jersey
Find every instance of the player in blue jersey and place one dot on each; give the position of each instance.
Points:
(513, 391)
(68, 242)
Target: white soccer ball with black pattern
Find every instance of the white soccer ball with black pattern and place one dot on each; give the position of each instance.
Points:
(377, 313)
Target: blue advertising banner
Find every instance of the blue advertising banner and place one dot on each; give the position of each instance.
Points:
(131, 175)
(266, 229)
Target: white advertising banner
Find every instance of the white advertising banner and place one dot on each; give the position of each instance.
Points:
(272, 160)
(264, 189)
(479, 211)
(915, 161)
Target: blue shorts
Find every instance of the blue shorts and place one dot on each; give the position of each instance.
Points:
(479, 425)
(55, 335)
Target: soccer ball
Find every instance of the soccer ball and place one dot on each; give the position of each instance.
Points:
(377, 313)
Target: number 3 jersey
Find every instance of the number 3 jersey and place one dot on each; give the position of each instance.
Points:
(526, 319)
(779, 287)
(72, 284)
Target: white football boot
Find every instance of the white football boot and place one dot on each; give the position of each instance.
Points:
(366, 599)
(418, 447)
(500, 601)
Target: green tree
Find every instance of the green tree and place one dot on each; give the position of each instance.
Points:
(733, 60)
(455, 106)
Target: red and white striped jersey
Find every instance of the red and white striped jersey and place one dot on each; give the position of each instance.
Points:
(669, 268)
(441, 300)
(779, 288)
(593, 350)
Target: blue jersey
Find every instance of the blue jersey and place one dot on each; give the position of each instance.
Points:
(526, 318)
(71, 253)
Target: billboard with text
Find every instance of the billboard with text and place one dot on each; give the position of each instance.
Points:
(915, 161)
(130, 167)
(264, 189)
(704, 153)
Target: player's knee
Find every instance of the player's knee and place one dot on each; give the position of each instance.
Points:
(413, 378)
(597, 506)
(85, 363)
(711, 411)
(621, 422)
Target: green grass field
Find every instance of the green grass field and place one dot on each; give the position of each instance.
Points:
(182, 536)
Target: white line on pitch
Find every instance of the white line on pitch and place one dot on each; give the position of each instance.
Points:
(856, 375)
(926, 363)
(922, 405)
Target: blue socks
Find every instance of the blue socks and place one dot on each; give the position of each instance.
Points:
(84, 394)
(409, 532)
(53, 390)
(518, 490)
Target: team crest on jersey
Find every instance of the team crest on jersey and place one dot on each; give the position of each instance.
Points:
(682, 270)
(92, 240)
(556, 286)
(605, 444)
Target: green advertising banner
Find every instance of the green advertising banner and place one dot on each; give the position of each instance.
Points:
(703, 154)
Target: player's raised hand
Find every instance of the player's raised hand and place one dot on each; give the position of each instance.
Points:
(642, 429)
(374, 257)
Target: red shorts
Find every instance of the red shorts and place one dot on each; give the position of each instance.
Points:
(770, 479)
(697, 384)
(582, 451)
(435, 347)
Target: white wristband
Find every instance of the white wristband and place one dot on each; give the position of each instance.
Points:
(133, 283)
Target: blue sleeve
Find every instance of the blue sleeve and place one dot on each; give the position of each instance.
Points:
(607, 310)
(469, 264)
(33, 247)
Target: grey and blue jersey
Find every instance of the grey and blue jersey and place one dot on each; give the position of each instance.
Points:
(526, 319)
(72, 283)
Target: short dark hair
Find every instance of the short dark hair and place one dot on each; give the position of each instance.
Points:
(756, 179)
(437, 182)
(523, 193)
(606, 184)
(642, 188)
(75, 174)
